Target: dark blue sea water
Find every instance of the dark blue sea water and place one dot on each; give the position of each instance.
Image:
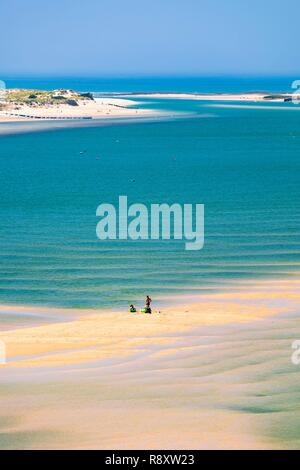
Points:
(158, 84)
(242, 162)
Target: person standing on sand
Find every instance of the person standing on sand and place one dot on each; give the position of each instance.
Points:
(148, 304)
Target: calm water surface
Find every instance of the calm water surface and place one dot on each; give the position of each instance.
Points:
(242, 162)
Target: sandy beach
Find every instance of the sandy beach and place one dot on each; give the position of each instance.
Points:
(220, 365)
(250, 97)
(124, 107)
(100, 335)
(86, 109)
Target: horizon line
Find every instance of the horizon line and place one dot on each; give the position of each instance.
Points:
(8, 76)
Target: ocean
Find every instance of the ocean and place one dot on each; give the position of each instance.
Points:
(241, 161)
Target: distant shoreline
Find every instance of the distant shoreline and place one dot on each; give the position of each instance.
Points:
(85, 110)
(97, 107)
(247, 96)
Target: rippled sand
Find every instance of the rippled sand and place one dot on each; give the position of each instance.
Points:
(211, 373)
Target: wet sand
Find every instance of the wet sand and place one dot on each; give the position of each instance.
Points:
(210, 372)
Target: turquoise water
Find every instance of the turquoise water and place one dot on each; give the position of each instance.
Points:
(241, 162)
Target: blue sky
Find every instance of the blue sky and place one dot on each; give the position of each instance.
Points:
(141, 37)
